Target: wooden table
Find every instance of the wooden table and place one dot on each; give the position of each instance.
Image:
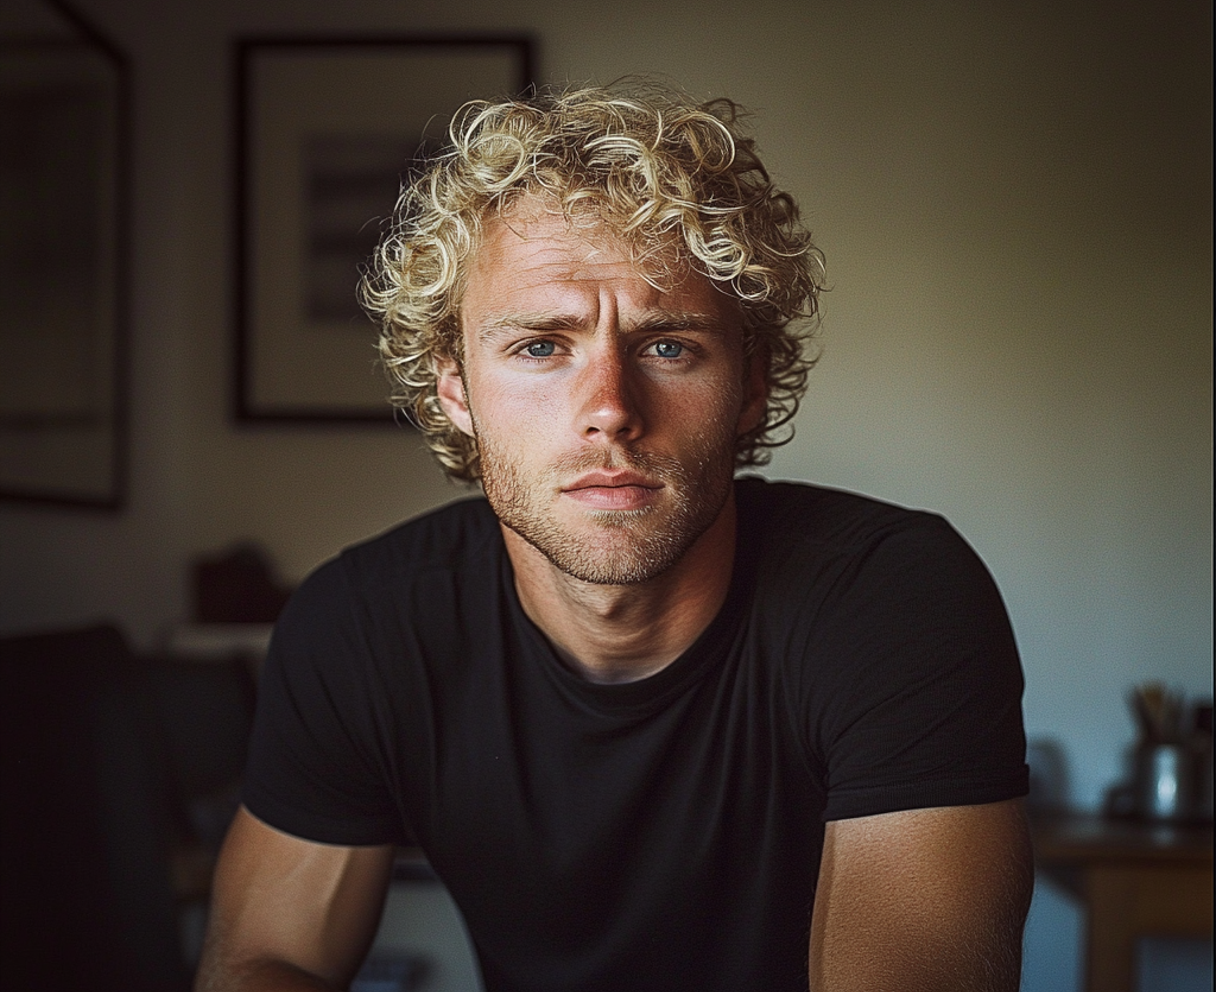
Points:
(1133, 879)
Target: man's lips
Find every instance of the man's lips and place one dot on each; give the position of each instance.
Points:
(611, 480)
(613, 490)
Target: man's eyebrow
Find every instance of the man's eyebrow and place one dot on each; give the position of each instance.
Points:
(667, 320)
(541, 321)
(654, 320)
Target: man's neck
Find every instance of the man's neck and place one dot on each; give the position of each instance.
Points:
(610, 633)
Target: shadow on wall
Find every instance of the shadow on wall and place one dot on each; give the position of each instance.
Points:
(1049, 781)
(118, 774)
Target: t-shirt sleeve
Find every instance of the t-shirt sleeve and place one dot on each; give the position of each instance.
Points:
(921, 704)
(315, 767)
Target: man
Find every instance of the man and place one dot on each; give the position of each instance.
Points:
(655, 728)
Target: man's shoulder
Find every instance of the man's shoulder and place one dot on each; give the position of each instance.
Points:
(812, 545)
(822, 517)
(460, 536)
(462, 527)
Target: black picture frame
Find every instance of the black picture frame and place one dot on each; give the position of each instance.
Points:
(326, 130)
(65, 106)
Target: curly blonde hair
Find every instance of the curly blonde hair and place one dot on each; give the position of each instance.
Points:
(661, 170)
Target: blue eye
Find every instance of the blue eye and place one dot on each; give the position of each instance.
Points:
(668, 349)
(540, 349)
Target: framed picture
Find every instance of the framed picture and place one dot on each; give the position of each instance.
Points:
(63, 131)
(328, 129)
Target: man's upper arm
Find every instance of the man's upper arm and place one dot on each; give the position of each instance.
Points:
(289, 913)
(931, 899)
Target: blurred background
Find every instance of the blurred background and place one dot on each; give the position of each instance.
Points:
(1014, 201)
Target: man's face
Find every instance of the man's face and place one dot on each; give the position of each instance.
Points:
(605, 410)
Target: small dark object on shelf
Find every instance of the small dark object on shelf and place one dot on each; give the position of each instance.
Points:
(237, 587)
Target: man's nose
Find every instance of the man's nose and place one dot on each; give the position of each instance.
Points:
(609, 392)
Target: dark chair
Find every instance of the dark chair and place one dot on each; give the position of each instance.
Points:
(107, 762)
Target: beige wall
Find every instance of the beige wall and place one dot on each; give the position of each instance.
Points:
(1015, 205)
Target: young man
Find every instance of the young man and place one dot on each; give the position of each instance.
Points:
(655, 728)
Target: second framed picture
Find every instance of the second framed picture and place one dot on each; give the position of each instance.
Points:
(328, 129)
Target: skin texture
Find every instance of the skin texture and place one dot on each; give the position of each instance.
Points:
(606, 412)
(930, 900)
(289, 914)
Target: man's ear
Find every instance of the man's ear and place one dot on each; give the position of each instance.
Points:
(755, 392)
(452, 397)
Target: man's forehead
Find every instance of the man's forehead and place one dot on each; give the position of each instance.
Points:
(536, 265)
(534, 233)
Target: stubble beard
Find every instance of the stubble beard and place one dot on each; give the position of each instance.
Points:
(617, 547)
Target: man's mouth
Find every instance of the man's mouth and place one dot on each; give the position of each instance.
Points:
(613, 490)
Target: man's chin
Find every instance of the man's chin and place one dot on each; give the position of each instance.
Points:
(621, 519)
(611, 552)
(621, 546)
(609, 572)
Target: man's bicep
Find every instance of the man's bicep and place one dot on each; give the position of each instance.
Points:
(280, 900)
(931, 899)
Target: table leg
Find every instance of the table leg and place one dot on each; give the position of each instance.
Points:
(1129, 901)
(1111, 940)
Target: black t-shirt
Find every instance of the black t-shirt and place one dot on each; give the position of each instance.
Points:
(662, 834)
